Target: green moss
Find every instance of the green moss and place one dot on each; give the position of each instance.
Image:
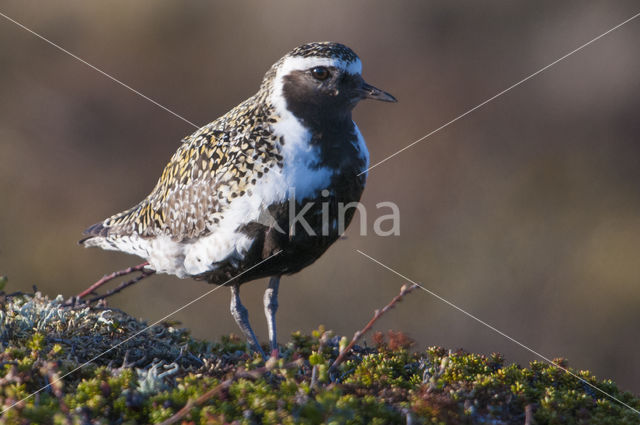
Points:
(153, 376)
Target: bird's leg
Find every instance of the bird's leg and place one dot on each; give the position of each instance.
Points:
(270, 308)
(241, 316)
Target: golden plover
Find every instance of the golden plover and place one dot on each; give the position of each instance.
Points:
(271, 176)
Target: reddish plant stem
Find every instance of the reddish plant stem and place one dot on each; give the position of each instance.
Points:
(377, 314)
(246, 374)
(528, 414)
(145, 273)
(109, 277)
(191, 403)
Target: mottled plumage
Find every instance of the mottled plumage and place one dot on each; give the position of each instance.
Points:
(221, 204)
(214, 165)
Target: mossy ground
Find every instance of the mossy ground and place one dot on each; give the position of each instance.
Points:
(150, 377)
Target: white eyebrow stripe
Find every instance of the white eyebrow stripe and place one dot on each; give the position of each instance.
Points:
(298, 63)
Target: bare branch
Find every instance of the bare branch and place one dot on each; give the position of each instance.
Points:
(240, 373)
(145, 273)
(110, 277)
(377, 314)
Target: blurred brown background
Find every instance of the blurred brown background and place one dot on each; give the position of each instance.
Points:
(525, 213)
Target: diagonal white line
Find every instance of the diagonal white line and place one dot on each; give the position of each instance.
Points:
(98, 70)
(502, 92)
(139, 332)
(498, 331)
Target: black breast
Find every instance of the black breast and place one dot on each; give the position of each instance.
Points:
(302, 245)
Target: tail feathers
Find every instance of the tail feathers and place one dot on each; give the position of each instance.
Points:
(101, 237)
(116, 225)
(96, 232)
(98, 229)
(118, 233)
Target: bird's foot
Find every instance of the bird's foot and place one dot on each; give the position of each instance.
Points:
(258, 349)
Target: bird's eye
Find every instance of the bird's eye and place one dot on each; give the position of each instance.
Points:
(320, 73)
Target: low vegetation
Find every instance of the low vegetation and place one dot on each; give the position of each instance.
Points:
(162, 375)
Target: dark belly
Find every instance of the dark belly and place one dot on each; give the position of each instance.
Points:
(298, 242)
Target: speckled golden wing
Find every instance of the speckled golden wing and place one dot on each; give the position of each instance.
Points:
(219, 162)
(192, 190)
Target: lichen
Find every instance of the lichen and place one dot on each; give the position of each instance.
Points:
(155, 372)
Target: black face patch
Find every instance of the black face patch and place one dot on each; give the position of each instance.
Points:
(324, 107)
(321, 103)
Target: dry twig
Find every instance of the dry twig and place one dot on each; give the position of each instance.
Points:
(241, 373)
(528, 414)
(314, 372)
(145, 273)
(110, 277)
(377, 314)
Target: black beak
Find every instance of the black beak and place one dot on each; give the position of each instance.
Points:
(369, 92)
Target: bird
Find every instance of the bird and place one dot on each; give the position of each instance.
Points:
(257, 192)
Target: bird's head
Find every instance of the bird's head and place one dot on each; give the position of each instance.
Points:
(320, 81)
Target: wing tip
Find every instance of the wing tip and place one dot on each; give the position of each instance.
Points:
(96, 230)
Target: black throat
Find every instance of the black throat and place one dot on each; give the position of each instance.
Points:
(328, 118)
(317, 107)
